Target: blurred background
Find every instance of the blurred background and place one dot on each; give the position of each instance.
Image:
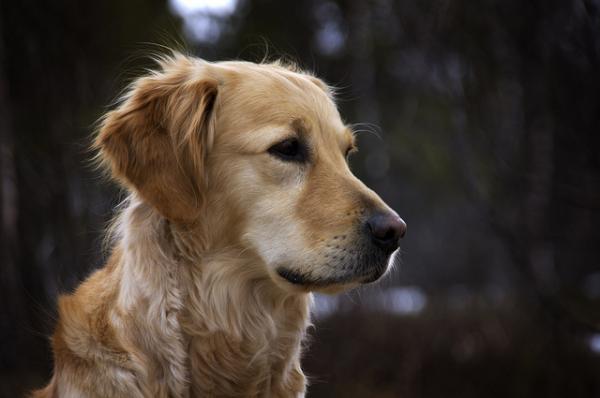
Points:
(480, 125)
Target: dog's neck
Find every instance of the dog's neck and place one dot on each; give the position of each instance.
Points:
(227, 315)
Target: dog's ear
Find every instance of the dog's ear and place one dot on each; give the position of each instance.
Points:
(156, 141)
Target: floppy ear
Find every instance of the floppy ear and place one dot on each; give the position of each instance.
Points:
(155, 142)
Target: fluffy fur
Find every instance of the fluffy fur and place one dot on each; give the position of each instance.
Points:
(192, 302)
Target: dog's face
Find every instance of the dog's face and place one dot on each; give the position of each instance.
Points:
(263, 150)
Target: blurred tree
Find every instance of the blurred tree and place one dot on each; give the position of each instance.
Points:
(59, 66)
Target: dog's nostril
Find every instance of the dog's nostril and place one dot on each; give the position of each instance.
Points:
(386, 229)
(389, 234)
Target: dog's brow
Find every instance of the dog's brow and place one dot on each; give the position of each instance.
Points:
(299, 126)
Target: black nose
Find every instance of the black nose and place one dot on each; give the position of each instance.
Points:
(386, 229)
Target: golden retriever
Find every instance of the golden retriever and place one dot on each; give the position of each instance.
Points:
(240, 204)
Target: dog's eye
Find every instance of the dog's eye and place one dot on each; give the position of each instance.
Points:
(349, 152)
(290, 150)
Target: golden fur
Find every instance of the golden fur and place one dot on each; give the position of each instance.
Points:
(190, 303)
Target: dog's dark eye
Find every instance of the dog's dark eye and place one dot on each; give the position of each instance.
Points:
(290, 150)
(349, 152)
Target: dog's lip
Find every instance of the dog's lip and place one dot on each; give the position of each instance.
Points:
(295, 278)
(299, 279)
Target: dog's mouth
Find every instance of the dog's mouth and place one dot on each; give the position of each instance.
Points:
(362, 274)
(300, 279)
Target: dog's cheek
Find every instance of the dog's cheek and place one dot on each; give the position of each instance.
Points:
(273, 232)
(266, 193)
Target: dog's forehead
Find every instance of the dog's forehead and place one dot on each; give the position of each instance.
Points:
(274, 101)
(274, 87)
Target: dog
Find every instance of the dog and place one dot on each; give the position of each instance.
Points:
(240, 204)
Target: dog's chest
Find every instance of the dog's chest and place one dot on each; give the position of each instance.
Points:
(220, 366)
(261, 358)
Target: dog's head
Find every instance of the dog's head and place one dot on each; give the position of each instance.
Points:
(256, 155)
